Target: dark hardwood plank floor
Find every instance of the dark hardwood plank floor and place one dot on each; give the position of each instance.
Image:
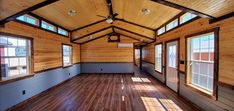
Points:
(107, 92)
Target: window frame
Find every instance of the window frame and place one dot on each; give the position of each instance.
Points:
(161, 57)
(216, 63)
(40, 19)
(49, 25)
(188, 20)
(27, 15)
(31, 62)
(174, 20)
(65, 66)
(178, 25)
(63, 31)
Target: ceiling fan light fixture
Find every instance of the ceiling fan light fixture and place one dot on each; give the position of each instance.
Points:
(145, 11)
(72, 12)
(109, 20)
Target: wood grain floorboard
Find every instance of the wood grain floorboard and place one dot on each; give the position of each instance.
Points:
(107, 92)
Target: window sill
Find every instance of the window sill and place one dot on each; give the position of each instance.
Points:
(14, 78)
(158, 72)
(201, 91)
(68, 66)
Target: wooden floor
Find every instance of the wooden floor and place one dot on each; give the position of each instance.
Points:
(107, 92)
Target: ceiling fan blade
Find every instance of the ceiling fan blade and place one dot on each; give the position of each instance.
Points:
(101, 16)
(115, 14)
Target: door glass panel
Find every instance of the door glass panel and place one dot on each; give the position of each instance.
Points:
(172, 56)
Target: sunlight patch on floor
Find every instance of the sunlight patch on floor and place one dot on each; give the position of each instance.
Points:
(170, 105)
(138, 79)
(152, 104)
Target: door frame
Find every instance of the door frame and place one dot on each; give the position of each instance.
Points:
(178, 63)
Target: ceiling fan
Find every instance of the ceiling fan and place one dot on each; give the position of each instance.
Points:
(111, 17)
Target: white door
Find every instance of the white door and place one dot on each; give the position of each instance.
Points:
(172, 65)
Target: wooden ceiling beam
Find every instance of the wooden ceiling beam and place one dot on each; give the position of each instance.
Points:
(91, 33)
(129, 37)
(94, 23)
(222, 18)
(134, 24)
(37, 6)
(143, 36)
(185, 9)
(94, 38)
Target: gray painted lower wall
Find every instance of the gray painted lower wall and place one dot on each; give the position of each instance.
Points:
(225, 100)
(107, 67)
(11, 94)
(149, 68)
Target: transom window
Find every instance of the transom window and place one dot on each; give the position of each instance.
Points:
(15, 56)
(48, 26)
(200, 64)
(62, 32)
(28, 19)
(161, 30)
(187, 17)
(158, 58)
(67, 55)
(172, 24)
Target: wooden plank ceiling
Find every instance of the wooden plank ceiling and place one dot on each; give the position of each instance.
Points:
(87, 10)
(128, 10)
(215, 8)
(11, 7)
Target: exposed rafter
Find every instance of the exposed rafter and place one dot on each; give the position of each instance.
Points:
(134, 33)
(113, 27)
(134, 24)
(185, 9)
(222, 18)
(30, 9)
(89, 25)
(92, 33)
(95, 38)
(106, 35)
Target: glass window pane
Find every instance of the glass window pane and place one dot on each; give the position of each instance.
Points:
(12, 41)
(158, 58)
(201, 61)
(14, 57)
(172, 24)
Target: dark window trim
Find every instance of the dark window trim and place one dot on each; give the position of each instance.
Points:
(31, 62)
(216, 62)
(160, 43)
(179, 25)
(35, 26)
(40, 19)
(71, 55)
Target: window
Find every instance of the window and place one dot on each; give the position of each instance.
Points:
(28, 19)
(158, 58)
(62, 32)
(67, 55)
(200, 54)
(15, 56)
(161, 30)
(48, 26)
(186, 17)
(172, 56)
(172, 25)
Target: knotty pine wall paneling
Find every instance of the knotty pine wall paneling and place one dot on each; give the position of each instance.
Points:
(47, 46)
